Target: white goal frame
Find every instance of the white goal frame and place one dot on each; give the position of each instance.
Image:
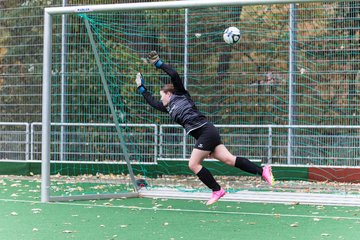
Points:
(47, 65)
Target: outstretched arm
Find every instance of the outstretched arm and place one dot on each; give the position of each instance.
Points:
(147, 95)
(175, 78)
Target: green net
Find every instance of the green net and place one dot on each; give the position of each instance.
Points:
(242, 84)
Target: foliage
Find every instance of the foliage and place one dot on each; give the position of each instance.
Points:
(238, 74)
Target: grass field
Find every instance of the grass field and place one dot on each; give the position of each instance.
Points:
(22, 216)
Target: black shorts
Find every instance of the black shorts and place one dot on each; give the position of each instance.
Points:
(207, 137)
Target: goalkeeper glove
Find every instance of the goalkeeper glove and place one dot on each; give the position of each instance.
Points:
(140, 82)
(155, 59)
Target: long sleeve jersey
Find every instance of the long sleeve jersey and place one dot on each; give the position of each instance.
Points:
(181, 107)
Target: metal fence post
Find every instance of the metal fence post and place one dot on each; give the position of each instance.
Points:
(292, 78)
(270, 146)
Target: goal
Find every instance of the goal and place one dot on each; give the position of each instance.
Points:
(270, 95)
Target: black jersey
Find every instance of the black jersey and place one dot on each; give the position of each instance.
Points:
(181, 107)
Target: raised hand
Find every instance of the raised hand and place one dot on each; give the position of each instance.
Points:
(139, 79)
(153, 57)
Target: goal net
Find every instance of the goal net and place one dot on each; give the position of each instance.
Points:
(295, 65)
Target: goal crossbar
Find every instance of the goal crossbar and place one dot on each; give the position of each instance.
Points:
(169, 5)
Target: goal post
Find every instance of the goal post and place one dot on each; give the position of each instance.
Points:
(138, 139)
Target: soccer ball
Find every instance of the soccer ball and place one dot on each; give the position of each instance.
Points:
(232, 35)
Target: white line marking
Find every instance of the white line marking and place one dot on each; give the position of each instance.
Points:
(277, 214)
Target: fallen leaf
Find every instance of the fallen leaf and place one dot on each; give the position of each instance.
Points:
(36, 210)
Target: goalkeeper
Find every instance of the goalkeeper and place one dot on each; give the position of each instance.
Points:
(176, 101)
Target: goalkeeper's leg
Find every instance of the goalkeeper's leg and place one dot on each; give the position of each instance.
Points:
(222, 154)
(197, 156)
